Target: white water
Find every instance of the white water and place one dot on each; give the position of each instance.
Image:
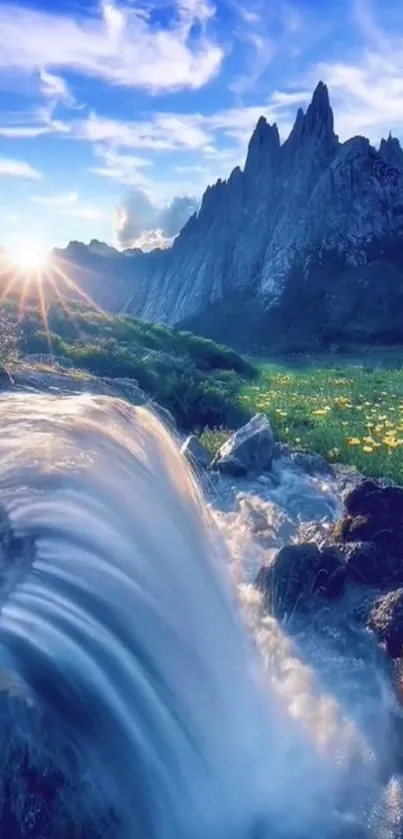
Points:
(128, 665)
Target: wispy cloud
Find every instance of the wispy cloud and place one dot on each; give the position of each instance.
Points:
(122, 45)
(125, 168)
(69, 204)
(267, 30)
(18, 169)
(34, 123)
(367, 93)
(63, 200)
(55, 88)
(161, 132)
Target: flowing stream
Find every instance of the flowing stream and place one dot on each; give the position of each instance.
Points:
(144, 693)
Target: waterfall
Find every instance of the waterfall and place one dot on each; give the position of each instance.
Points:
(142, 693)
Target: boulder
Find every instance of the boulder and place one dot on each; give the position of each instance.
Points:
(386, 621)
(373, 526)
(311, 463)
(298, 575)
(305, 461)
(250, 449)
(370, 498)
(194, 451)
(365, 563)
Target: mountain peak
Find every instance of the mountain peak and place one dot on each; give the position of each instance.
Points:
(320, 97)
(319, 115)
(263, 148)
(391, 151)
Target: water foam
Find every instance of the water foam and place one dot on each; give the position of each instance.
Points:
(130, 680)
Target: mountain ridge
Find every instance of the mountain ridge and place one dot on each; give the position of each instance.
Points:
(310, 216)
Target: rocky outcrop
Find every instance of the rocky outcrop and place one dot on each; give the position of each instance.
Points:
(371, 531)
(249, 450)
(302, 247)
(196, 453)
(386, 621)
(298, 576)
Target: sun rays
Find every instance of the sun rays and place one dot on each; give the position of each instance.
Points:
(33, 275)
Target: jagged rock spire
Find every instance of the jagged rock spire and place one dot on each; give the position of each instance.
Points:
(391, 151)
(263, 148)
(319, 115)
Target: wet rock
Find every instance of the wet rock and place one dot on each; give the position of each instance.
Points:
(298, 575)
(311, 463)
(370, 498)
(164, 415)
(194, 450)
(366, 563)
(305, 461)
(386, 621)
(5, 379)
(373, 523)
(249, 450)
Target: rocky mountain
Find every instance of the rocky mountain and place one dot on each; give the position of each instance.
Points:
(302, 247)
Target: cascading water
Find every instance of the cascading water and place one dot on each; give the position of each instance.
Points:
(134, 703)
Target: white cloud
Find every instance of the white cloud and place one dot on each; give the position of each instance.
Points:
(125, 168)
(54, 87)
(18, 169)
(39, 122)
(121, 46)
(141, 223)
(163, 131)
(367, 94)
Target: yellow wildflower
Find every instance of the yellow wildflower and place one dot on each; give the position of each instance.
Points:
(367, 449)
(354, 441)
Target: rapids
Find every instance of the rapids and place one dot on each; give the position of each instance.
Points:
(144, 694)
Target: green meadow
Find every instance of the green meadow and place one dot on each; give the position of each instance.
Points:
(350, 412)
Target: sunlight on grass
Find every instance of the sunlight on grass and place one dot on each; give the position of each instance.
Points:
(349, 414)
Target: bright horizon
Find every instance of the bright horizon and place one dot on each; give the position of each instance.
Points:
(115, 117)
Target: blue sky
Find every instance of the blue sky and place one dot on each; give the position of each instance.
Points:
(114, 116)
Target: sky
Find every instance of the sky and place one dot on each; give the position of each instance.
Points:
(116, 115)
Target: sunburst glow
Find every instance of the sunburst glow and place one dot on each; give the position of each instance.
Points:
(29, 257)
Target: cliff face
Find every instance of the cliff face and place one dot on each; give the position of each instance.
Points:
(309, 234)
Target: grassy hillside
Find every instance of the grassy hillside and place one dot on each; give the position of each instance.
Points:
(195, 378)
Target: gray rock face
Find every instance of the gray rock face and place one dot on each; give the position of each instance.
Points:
(194, 451)
(303, 221)
(250, 449)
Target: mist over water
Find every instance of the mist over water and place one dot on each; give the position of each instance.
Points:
(150, 692)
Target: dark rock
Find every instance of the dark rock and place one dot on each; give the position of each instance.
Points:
(386, 621)
(230, 466)
(371, 498)
(391, 151)
(298, 575)
(358, 501)
(5, 379)
(250, 449)
(373, 526)
(366, 563)
(194, 450)
(164, 415)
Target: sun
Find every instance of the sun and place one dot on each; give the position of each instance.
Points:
(29, 257)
